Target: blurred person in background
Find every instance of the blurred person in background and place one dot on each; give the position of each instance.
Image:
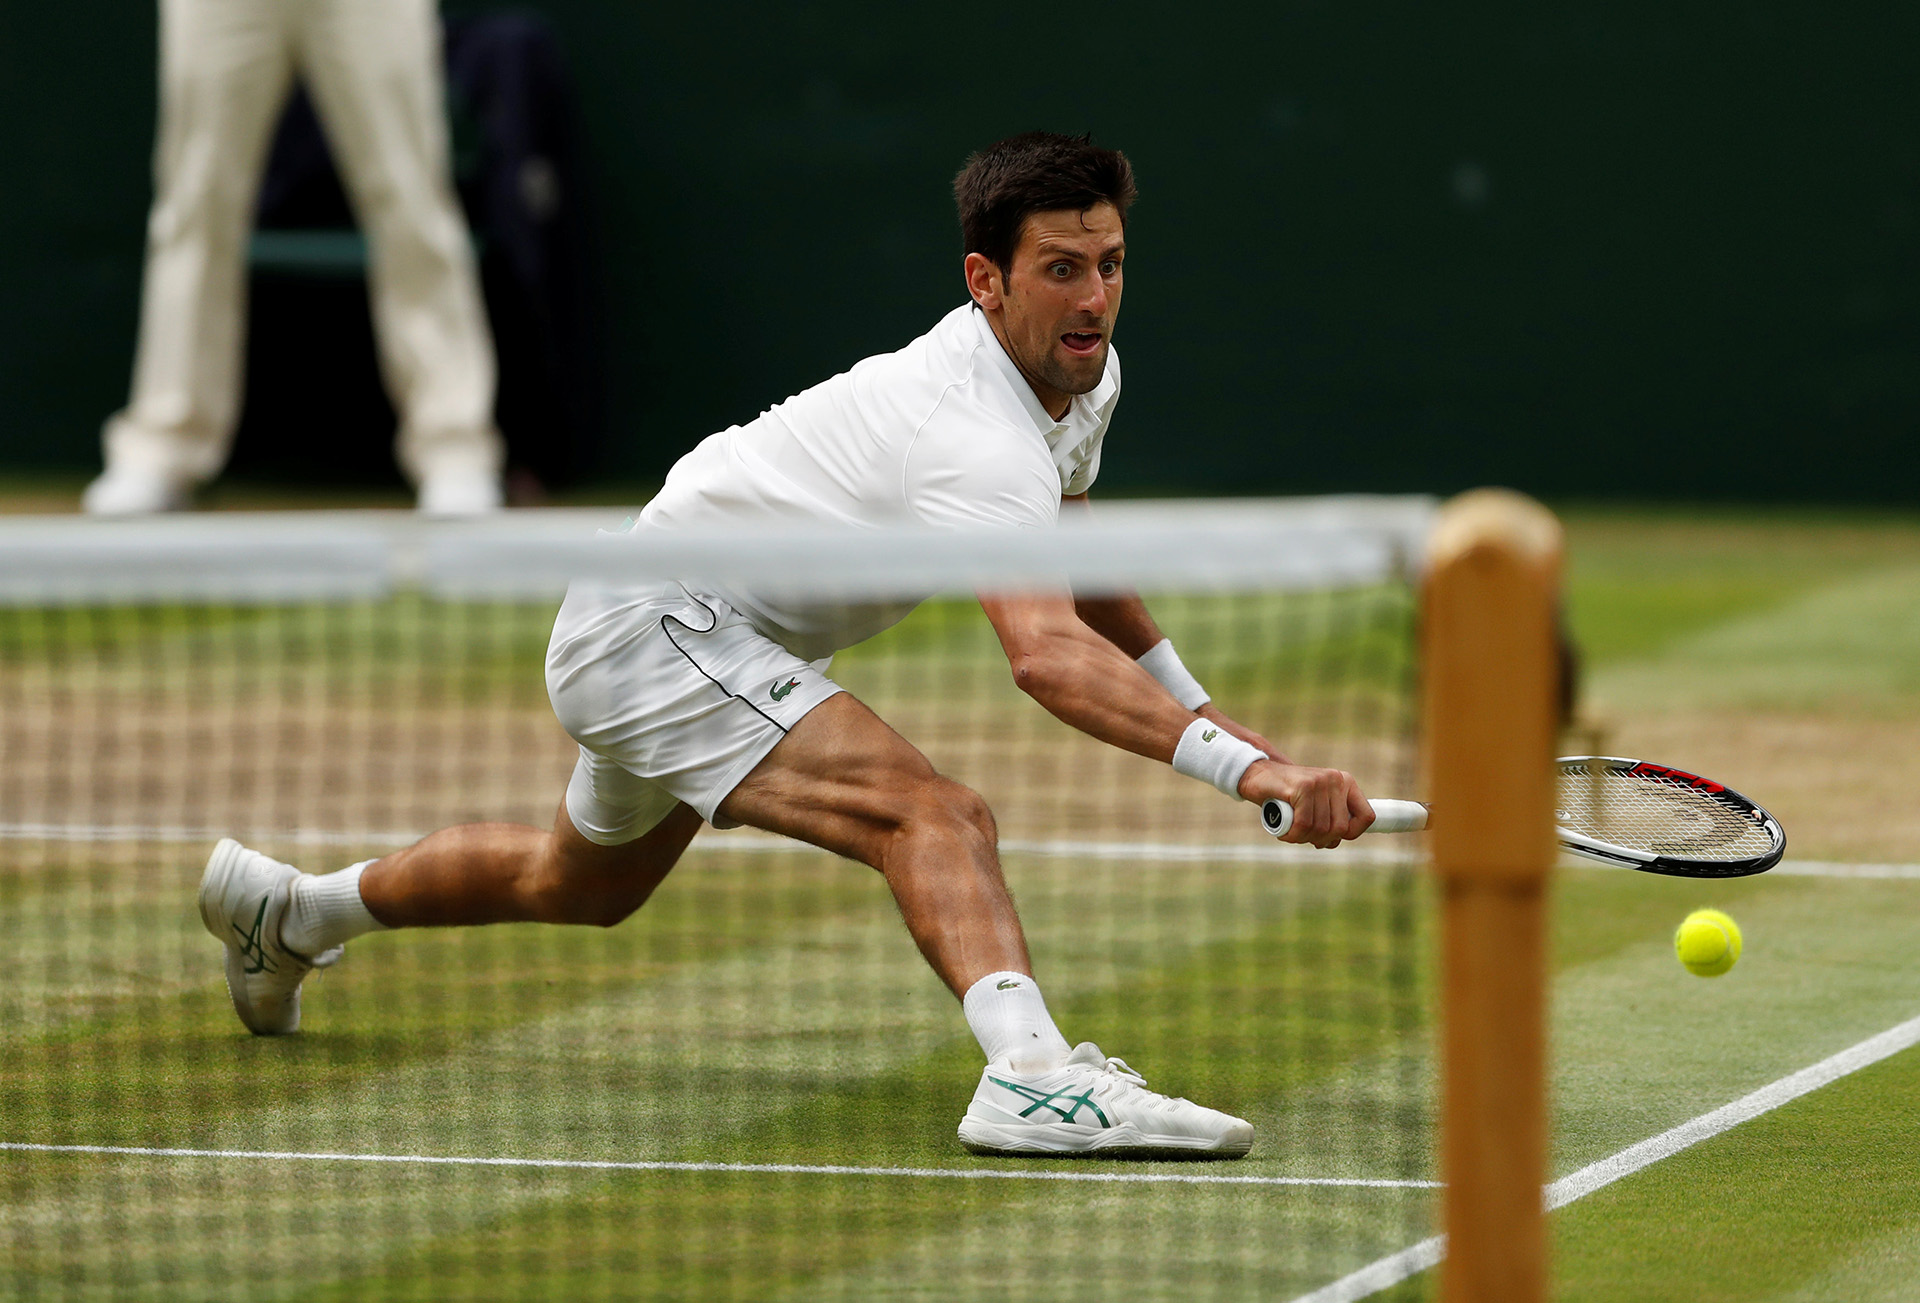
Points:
(373, 68)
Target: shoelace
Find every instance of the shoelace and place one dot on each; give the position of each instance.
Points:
(1120, 1068)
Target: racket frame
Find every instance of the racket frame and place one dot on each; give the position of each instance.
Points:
(1410, 816)
(1673, 866)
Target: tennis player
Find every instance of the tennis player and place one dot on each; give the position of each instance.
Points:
(702, 704)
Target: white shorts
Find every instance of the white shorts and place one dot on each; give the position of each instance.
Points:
(673, 696)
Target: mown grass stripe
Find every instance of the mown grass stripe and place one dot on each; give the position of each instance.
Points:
(1391, 1270)
(794, 1169)
(1594, 1176)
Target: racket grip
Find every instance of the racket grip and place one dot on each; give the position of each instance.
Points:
(1276, 816)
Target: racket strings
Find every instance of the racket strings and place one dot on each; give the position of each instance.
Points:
(1651, 813)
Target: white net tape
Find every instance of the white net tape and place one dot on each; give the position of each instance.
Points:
(1272, 545)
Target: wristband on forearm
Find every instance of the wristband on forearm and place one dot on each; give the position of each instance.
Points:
(1213, 755)
(1163, 662)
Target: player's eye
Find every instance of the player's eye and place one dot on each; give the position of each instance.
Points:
(1111, 267)
(1061, 270)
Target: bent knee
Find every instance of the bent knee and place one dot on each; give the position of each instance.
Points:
(606, 908)
(560, 893)
(953, 809)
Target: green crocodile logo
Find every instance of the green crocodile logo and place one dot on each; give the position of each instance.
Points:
(1210, 735)
(780, 690)
(1007, 985)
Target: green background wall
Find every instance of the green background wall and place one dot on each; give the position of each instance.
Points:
(1632, 249)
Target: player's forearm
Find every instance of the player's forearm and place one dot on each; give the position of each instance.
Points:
(1088, 682)
(1122, 619)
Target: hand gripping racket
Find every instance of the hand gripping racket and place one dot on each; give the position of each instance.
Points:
(1628, 812)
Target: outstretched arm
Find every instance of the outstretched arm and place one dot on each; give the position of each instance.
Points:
(1123, 621)
(1088, 680)
(1082, 677)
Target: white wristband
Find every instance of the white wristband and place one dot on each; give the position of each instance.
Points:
(1163, 662)
(1213, 755)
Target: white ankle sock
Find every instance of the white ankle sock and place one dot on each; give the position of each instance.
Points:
(327, 911)
(1010, 1020)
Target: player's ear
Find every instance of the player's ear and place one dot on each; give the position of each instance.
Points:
(985, 281)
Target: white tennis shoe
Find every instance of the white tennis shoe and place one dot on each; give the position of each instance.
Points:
(459, 491)
(1092, 1104)
(243, 900)
(129, 491)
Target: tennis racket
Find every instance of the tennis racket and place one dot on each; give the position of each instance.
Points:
(1632, 813)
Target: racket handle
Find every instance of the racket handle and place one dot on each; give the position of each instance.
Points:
(1276, 816)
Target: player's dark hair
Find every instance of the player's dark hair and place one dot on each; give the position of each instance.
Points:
(1035, 172)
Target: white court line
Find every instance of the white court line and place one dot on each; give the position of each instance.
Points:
(1784, 869)
(1394, 1268)
(1834, 869)
(1190, 852)
(1383, 1274)
(796, 1169)
(118, 832)
(1176, 852)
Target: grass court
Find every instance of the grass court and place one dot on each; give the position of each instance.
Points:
(767, 1010)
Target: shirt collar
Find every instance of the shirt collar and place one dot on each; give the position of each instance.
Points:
(1043, 422)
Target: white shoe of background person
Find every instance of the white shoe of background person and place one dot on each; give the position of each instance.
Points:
(127, 491)
(1092, 1104)
(460, 491)
(244, 897)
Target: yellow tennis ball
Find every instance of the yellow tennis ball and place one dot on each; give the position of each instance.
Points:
(1708, 943)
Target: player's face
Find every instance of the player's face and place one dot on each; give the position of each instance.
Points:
(1058, 302)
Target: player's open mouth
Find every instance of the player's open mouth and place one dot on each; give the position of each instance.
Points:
(1084, 342)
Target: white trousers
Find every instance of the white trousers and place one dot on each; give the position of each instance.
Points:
(373, 68)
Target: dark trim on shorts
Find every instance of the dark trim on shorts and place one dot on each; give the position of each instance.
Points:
(715, 615)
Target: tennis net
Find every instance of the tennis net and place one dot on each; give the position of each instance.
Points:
(750, 1088)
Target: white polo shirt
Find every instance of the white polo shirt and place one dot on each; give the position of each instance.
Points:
(945, 432)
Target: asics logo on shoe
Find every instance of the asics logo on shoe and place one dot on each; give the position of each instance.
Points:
(780, 690)
(250, 942)
(1045, 1099)
(1008, 985)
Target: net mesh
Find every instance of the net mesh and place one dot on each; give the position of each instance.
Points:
(750, 1087)
(1654, 812)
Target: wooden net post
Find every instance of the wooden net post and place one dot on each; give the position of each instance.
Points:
(1491, 599)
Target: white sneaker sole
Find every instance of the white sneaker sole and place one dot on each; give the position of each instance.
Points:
(1064, 1139)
